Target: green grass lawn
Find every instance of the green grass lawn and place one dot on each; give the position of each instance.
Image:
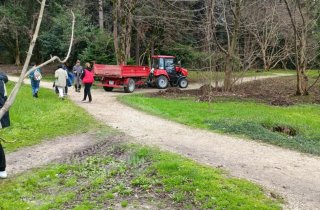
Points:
(48, 77)
(250, 119)
(132, 176)
(33, 120)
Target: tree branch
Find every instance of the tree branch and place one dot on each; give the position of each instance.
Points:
(24, 72)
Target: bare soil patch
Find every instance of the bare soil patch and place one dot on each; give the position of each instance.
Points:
(273, 91)
(77, 149)
(56, 150)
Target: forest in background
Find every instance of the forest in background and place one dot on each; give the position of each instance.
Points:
(215, 35)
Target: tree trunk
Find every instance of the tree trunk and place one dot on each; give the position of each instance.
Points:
(152, 48)
(228, 74)
(299, 82)
(122, 42)
(128, 36)
(300, 47)
(17, 53)
(264, 58)
(232, 48)
(137, 56)
(115, 28)
(303, 61)
(101, 19)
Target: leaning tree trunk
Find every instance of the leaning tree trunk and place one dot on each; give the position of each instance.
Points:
(14, 93)
(24, 73)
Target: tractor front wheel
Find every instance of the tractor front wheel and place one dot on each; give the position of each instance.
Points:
(162, 82)
(131, 86)
(108, 89)
(183, 83)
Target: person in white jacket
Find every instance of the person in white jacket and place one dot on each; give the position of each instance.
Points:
(61, 80)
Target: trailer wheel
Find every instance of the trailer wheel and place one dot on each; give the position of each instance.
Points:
(108, 89)
(162, 82)
(183, 83)
(131, 86)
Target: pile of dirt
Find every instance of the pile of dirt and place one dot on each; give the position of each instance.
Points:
(277, 91)
(170, 92)
(207, 89)
(274, 91)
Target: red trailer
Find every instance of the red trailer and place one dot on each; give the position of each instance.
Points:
(163, 72)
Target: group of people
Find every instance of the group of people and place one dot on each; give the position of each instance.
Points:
(80, 76)
(65, 78)
(83, 76)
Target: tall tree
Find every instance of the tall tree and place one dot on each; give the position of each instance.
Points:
(229, 23)
(122, 28)
(101, 16)
(302, 21)
(24, 73)
(263, 22)
(15, 27)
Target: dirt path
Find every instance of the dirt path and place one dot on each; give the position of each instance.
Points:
(48, 152)
(294, 176)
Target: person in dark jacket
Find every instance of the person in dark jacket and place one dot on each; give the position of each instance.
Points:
(4, 122)
(78, 71)
(87, 81)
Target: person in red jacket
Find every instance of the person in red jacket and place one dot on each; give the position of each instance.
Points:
(87, 81)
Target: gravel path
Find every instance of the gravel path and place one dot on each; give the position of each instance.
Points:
(294, 176)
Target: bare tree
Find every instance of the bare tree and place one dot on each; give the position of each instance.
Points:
(262, 20)
(24, 72)
(230, 25)
(300, 13)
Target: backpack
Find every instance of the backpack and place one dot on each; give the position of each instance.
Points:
(37, 75)
(70, 79)
(88, 77)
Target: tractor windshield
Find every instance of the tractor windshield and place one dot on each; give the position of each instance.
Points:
(169, 65)
(158, 63)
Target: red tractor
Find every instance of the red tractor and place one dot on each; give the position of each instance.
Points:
(163, 72)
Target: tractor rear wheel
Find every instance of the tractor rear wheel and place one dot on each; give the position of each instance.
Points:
(183, 83)
(108, 89)
(162, 82)
(131, 86)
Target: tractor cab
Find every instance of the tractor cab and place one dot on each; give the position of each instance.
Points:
(164, 67)
(163, 62)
